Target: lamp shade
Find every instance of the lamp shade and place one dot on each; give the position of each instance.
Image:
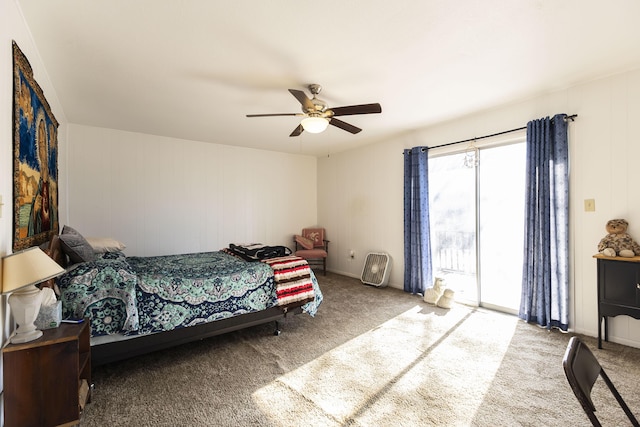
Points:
(314, 124)
(26, 268)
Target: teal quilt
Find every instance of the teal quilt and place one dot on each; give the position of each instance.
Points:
(141, 295)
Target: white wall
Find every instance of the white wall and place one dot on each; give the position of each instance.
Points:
(163, 195)
(13, 27)
(360, 204)
(360, 191)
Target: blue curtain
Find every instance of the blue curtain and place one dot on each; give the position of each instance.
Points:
(545, 278)
(417, 244)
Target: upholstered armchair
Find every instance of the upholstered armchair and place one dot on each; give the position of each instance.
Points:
(313, 246)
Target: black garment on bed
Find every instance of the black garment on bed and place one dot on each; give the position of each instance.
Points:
(258, 251)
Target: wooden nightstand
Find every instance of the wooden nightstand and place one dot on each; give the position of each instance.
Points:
(47, 381)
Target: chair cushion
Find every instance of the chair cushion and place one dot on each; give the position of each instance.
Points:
(311, 253)
(304, 242)
(315, 234)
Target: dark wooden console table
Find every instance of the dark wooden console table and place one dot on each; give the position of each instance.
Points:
(618, 290)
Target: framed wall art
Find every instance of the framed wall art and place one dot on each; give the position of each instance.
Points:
(35, 159)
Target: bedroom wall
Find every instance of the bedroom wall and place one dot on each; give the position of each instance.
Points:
(360, 192)
(13, 27)
(163, 195)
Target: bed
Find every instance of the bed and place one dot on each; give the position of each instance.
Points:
(138, 305)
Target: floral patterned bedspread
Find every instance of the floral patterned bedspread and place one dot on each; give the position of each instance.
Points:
(103, 290)
(140, 295)
(184, 290)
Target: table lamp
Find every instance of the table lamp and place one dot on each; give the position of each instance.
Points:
(21, 271)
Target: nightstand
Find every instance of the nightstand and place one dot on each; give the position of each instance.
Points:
(618, 290)
(47, 381)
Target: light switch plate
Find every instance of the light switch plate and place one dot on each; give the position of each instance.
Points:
(589, 205)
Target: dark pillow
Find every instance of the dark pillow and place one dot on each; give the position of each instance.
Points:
(75, 246)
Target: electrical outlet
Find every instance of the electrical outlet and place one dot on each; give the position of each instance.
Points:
(352, 254)
(589, 205)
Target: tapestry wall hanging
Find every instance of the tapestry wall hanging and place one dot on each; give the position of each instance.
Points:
(35, 159)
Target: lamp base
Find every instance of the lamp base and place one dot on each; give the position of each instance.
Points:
(25, 306)
(26, 337)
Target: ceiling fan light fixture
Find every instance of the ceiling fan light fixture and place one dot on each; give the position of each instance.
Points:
(317, 116)
(314, 124)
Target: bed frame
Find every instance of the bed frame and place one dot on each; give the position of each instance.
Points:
(115, 351)
(119, 350)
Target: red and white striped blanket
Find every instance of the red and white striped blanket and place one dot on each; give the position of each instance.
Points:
(292, 276)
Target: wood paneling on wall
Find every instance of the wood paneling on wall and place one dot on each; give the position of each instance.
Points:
(163, 195)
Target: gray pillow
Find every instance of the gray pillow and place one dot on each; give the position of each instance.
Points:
(76, 246)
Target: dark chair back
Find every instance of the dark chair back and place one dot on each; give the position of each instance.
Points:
(582, 370)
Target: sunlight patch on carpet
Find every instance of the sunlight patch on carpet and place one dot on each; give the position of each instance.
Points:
(439, 363)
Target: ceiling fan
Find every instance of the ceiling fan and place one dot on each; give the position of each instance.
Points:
(317, 116)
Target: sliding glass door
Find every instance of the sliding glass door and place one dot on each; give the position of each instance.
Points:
(501, 225)
(477, 219)
(452, 211)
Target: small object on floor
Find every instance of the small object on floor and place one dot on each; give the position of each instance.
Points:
(446, 299)
(431, 295)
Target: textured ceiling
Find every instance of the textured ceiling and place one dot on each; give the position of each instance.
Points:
(193, 69)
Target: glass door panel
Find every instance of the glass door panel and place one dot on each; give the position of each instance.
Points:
(501, 225)
(477, 222)
(452, 209)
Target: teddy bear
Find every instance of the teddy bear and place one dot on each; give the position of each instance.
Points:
(432, 295)
(618, 241)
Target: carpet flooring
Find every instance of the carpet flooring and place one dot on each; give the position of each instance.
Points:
(370, 357)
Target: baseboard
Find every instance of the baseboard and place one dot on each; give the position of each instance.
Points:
(355, 276)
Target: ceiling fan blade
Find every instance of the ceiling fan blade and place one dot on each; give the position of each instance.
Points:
(297, 131)
(344, 125)
(303, 99)
(274, 114)
(357, 109)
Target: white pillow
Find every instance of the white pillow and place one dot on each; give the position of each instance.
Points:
(101, 245)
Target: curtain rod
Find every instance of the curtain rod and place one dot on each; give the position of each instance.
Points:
(570, 118)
